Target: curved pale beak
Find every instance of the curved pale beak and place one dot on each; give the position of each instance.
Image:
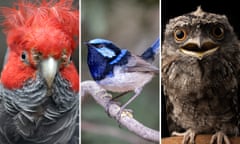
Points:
(199, 49)
(49, 68)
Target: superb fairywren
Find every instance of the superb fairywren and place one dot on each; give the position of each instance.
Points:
(118, 70)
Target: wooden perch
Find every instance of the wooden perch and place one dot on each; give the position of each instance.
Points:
(102, 98)
(200, 139)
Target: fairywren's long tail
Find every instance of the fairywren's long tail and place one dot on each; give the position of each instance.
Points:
(149, 54)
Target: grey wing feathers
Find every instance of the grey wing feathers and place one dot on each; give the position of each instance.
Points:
(137, 64)
(8, 134)
(55, 127)
(62, 131)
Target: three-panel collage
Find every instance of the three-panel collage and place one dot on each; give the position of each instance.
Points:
(119, 72)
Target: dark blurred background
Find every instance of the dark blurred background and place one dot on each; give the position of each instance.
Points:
(173, 8)
(3, 46)
(131, 24)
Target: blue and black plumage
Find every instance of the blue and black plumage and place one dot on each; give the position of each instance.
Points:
(152, 51)
(102, 56)
(118, 70)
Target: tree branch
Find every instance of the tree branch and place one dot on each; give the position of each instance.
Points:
(107, 130)
(102, 98)
(200, 139)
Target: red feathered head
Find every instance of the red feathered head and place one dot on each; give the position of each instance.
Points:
(47, 26)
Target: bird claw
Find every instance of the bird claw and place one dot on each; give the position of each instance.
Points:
(122, 113)
(108, 106)
(106, 96)
(220, 138)
(188, 136)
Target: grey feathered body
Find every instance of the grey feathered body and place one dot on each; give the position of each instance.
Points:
(201, 93)
(35, 114)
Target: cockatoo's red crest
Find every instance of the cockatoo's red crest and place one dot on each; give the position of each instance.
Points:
(48, 17)
(48, 27)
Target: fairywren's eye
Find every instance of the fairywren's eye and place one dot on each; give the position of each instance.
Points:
(180, 34)
(99, 45)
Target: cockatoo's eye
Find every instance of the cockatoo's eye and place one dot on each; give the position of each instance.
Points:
(24, 57)
(65, 59)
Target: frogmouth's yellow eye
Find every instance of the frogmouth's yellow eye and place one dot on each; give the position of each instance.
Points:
(180, 34)
(217, 31)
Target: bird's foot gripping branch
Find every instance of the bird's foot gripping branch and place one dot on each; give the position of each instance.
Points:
(126, 119)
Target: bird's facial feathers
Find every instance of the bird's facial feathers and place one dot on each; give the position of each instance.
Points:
(104, 47)
(199, 42)
(198, 34)
(99, 41)
(106, 52)
(16, 71)
(37, 32)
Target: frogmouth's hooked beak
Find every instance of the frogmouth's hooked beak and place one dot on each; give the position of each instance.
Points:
(49, 68)
(199, 50)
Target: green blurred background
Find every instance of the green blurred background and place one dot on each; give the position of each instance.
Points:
(131, 24)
